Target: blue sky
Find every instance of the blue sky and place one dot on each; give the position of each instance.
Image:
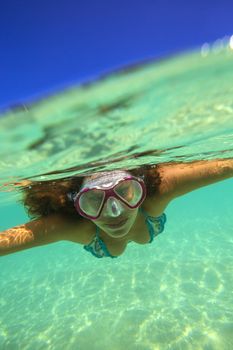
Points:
(48, 44)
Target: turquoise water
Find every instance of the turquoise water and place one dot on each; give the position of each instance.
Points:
(173, 294)
(176, 293)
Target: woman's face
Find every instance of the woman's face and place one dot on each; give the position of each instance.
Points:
(119, 225)
(116, 218)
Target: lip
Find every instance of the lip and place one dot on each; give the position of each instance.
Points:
(118, 224)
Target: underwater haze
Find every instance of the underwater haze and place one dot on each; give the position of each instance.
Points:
(174, 294)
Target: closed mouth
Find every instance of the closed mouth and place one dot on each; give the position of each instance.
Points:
(117, 224)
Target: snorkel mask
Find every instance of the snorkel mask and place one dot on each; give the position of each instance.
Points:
(111, 188)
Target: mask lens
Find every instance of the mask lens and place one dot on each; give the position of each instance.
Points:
(90, 202)
(130, 191)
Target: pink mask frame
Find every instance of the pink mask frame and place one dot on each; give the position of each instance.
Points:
(108, 192)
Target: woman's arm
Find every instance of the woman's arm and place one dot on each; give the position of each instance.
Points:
(32, 234)
(48, 229)
(181, 178)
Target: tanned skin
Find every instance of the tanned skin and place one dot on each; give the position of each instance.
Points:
(177, 180)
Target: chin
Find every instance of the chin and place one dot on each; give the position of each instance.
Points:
(118, 234)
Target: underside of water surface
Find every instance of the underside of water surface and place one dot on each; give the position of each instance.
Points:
(176, 109)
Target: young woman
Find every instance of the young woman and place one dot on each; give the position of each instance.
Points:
(107, 210)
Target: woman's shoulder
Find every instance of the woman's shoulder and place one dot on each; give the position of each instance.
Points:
(67, 227)
(78, 231)
(156, 205)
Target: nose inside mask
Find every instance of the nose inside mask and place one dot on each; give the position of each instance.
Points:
(114, 207)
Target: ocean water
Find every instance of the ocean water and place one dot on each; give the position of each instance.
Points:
(176, 293)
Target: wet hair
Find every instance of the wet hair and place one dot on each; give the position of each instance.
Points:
(42, 198)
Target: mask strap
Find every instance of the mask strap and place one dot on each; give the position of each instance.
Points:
(71, 195)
